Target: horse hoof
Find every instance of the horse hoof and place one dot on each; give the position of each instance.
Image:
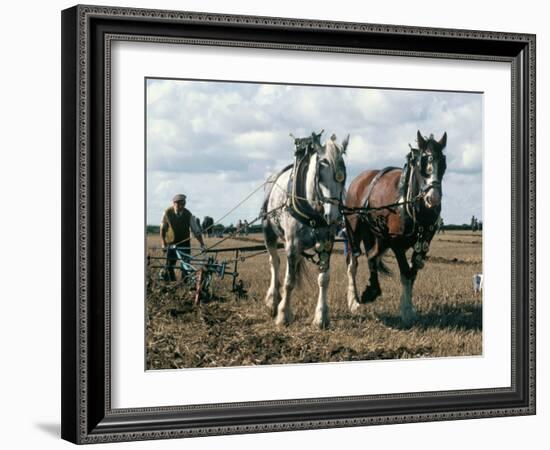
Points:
(354, 306)
(409, 318)
(272, 307)
(322, 324)
(370, 294)
(283, 320)
(272, 303)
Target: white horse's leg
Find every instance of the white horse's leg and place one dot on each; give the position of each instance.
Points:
(284, 313)
(353, 299)
(273, 296)
(408, 314)
(321, 319)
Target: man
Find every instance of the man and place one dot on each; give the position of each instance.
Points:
(440, 225)
(343, 234)
(174, 232)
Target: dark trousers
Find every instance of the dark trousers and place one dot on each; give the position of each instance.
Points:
(172, 259)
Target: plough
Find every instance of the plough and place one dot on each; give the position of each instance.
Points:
(197, 271)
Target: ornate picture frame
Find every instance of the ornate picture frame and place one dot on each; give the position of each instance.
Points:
(88, 33)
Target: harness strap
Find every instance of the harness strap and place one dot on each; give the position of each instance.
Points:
(375, 180)
(299, 208)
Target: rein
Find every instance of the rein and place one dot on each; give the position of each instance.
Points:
(347, 210)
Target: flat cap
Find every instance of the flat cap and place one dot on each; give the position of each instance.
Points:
(179, 197)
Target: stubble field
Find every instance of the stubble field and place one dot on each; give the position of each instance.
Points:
(230, 331)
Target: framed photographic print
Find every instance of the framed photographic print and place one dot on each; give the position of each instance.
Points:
(283, 224)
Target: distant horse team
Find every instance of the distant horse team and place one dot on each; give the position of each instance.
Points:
(390, 209)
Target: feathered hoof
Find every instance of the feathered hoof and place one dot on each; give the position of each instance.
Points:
(370, 294)
(354, 306)
(283, 320)
(272, 304)
(408, 317)
(272, 308)
(321, 323)
(272, 311)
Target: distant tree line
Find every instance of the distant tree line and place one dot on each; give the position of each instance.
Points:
(464, 226)
(253, 229)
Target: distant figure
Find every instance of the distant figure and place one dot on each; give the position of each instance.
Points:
(245, 227)
(344, 236)
(440, 225)
(477, 281)
(174, 232)
(207, 225)
(473, 224)
(239, 230)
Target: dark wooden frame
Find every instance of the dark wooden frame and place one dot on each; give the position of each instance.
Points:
(87, 31)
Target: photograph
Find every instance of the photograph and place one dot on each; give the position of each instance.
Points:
(299, 224)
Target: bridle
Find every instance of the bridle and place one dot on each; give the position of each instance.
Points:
(298, 205)
(421, 168)
(339, 176)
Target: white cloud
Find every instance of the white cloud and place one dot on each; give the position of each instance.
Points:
(215, 139)
(471, 157)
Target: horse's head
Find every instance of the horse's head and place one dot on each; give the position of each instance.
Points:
(331, 177)
(431, 165)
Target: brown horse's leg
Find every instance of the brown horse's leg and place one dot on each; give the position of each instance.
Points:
(408, 275)
(374, 255)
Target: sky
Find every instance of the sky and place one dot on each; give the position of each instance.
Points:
(217, 142)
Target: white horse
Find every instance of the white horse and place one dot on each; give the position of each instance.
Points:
(302, 208)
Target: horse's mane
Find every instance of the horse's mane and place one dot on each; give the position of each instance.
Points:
(333, 152)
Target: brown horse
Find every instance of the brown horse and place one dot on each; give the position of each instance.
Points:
(395, 209)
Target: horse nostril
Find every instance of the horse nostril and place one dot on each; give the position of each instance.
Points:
(433, 198)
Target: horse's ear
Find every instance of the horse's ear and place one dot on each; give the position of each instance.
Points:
(420, 139)
(345, 143)
(443, 140)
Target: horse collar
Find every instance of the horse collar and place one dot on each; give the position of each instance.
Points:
(299, 207)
